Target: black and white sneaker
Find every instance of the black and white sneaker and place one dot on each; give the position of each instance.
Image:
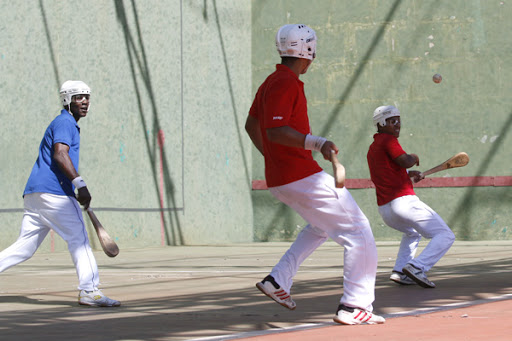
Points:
(351, 316)
(269, 287)
(401, 278)
(418, 276)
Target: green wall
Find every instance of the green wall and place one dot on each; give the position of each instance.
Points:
(189, 69)
(181, 68)
(372, 53)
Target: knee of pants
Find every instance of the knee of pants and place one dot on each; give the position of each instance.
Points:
(449, 237)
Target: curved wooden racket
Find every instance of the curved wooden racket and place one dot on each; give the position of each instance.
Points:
(109, 246)
(338, 170)
(458, 160)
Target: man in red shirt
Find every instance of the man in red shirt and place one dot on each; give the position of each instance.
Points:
(278, 125)
(399, 206)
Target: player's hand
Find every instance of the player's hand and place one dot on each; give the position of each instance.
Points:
(326, 149)
(416, 176)
(84, 197)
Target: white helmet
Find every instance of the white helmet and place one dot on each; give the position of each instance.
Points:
(297, 41)
(382, 113)
(71, 88)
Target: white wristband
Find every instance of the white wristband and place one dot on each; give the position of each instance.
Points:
(78, 182)
(313, 142)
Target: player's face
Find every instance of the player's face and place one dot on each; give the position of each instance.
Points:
(79, 105)
(309, 62)
(392, 126)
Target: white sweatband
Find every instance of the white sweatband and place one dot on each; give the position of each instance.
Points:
(313, 142)
(78, 182)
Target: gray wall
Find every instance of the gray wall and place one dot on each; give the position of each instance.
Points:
(181, 68)
(190, 70)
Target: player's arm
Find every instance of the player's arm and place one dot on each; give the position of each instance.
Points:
(407, 160)
(252, 127)
(61, 157)
(290, 137)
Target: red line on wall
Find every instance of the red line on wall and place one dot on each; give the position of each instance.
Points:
(460, 181)
(161, 140)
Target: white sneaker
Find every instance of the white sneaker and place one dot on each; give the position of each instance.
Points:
(418, 276)
(401, 278)
(96, 299)
(269, 287)
(351, 316)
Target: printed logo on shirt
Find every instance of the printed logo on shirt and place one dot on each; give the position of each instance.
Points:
(277, 118)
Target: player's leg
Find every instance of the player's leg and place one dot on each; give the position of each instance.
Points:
(64, 215)
(408, 245)
(32, 233)
(431, 225)
(336, 213)
(412, 212)
(277, 285)
(360, 259)
(308, 240)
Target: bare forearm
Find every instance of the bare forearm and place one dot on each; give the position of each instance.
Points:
(407, 160)
(286, 136)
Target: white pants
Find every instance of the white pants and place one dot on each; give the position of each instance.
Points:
(61, 213)
(330, 212)
(412, 217)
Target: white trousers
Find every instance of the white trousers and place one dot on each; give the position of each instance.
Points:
(44, 211)
(412, 217)
(330, 212)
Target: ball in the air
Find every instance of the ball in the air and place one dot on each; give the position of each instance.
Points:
(437, 78)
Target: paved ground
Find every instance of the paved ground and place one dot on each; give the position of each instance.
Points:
(183, 293)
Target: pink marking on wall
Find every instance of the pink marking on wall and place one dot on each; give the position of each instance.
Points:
(459, 181)
(161, 140)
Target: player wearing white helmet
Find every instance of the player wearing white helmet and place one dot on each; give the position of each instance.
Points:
(50, 202)
(278, 125)
(399, 206)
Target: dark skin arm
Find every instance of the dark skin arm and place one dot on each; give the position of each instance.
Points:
(292, 138)
(407, 161)
(283, 135)
(61, 157)
(252, 127)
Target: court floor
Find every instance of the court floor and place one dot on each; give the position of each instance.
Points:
(208, 293)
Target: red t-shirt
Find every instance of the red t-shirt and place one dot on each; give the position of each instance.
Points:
(391, 181)
(280, 101)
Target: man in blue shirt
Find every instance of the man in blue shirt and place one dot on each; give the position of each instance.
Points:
(50, 201)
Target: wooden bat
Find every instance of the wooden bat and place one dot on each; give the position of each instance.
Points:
(109, 246)
(338, 170)
(458, 160)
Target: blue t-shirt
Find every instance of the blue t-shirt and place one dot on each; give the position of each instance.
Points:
(46, 177)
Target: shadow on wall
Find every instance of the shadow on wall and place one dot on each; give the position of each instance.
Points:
(135, 48)
(50, 45)
(231, 93)
(460, 216)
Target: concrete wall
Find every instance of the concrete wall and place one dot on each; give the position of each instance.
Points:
(188, 70)
(174, 69)
(372, 53)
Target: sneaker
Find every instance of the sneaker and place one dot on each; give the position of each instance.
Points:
(348, 315)
(270, 288)
(401, 278)
(418, 276)
(96, 299)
